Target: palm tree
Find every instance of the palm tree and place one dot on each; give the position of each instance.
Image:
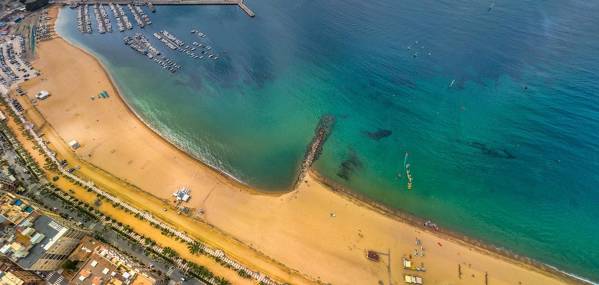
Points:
(194, 248)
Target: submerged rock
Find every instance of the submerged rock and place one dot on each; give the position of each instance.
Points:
(349, 166)
(378, 134)
(492, 152)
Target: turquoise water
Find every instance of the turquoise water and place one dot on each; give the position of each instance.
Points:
(508, 154)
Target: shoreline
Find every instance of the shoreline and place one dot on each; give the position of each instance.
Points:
(401, 216)
(418, 222)
(231, 178)
(397, 214)
(394, 214)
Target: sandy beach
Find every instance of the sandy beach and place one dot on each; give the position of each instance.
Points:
(318, 234)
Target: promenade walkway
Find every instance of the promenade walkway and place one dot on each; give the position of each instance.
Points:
(214, 252)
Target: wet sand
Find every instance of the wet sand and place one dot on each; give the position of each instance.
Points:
(318, 234)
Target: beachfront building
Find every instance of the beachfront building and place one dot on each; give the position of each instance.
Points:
(32, 5)
(42, 95)
(7, 181)
(183, 194)
(33, 239)
(13, 210)
(103, 264)
(144, 279)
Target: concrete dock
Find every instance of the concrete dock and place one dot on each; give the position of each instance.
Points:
(246, 9)
(239, 3)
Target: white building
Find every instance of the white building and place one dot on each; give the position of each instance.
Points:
(42, 95)
(183, 194)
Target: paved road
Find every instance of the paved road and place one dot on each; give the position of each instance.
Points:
(22, 173)
(67, 211)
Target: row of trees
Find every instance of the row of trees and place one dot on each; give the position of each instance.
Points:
(195, 248)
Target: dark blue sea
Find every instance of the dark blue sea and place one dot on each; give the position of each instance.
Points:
(496, 104)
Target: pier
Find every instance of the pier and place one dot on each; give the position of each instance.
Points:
(175, 43)
(246, 9)
(121, 18)
(124, 17)
(140, 44)
(83, 21)
(151, 7)
(105, 19)
(321, 134)
(152, 3)
(136, 15)
(98, 22)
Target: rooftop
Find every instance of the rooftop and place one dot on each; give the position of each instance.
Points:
(142, 279)
(99, 270)
(51, 231)
(14, 209)
(85, 249)
(29, 234)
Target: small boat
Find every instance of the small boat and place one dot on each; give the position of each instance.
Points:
(452, 83)
(406, 166)
(409, 175)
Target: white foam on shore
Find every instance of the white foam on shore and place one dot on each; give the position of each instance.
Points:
(60, 24)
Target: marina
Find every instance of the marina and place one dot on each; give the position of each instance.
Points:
(151, 3)
(138, 14)
(174, 43)
(122, 20)
(161, 37)
(141, 18)
(99, 21)
(145, 18)
(83, 22)
(105, 19)
(124, 17)
(141, 44)
(196, 50)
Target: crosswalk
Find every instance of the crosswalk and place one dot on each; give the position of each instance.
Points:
(56, 278)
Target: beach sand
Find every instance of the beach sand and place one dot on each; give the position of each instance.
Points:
(297, 229)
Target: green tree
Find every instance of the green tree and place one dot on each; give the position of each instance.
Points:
(195, 248)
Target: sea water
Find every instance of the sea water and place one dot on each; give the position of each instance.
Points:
(495, 103)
